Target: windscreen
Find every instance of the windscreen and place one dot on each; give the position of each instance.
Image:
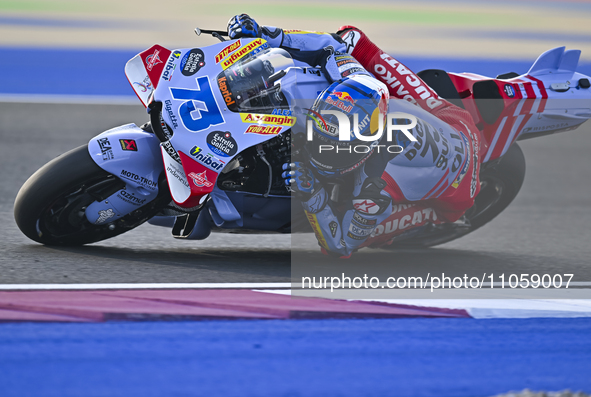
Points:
(249, 85)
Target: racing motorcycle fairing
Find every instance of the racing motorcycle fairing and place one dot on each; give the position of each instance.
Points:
(551, 97)
(144, 70)
(133, 156)
(209, 119)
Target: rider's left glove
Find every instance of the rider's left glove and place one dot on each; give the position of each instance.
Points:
(299, 178)
(305, 186)
(243, 26)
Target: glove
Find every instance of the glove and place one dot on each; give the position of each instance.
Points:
(337, 65)
(243, 26)
(299, 178)
(305, 186)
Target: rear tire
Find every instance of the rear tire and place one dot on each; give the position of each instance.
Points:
(499, 185)
(49, 207)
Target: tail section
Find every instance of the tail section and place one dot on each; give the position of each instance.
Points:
(551, 97)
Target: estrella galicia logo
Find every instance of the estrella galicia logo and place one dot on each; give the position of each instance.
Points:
(222, 143)
(200, 110)
(509, 90)
(192, 62)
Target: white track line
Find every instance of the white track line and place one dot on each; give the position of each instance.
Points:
(7, 287)
(143, 286)
(72, 99)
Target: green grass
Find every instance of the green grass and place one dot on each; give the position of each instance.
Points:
(418, 16)
(40, 6)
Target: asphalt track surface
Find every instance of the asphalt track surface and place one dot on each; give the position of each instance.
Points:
(545, 230)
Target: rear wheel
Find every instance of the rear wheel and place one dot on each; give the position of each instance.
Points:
(50, 206)
(499, 185)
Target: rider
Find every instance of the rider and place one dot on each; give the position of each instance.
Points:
(426, 173)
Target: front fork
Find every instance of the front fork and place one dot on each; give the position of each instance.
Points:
(133, 156)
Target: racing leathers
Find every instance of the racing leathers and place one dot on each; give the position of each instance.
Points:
(434, 179)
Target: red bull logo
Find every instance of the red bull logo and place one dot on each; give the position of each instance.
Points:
(344, 96)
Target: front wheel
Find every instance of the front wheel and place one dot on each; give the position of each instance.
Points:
(50, 206)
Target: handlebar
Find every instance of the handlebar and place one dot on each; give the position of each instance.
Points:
(218, 34)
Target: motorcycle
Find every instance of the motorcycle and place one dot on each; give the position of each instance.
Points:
(205, 162)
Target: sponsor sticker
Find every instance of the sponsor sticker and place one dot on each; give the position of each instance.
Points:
(359, 231)
(333, 226)
(192, 62)
(316, 227)
(406, 218)
(351, 39)
(177, 173)
(169, 68)
(362, 221)
(345, 107)
(227, 51)
(281, 112)
(207, 159)
(104, 215)
(222, 143)
(241, 52)
(267, 119)
(171, 151)
(366, 206)
(144, 86)
(462, 173)
(509, 90)
(106, 148)
(223, 86)
(140, 180)
(171, 116)
(130, 198)
(200, 179)
(296, 31)
(263, 130)
(153, 60)
(128, 144)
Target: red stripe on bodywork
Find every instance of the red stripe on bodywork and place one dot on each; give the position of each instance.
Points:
(543, 91)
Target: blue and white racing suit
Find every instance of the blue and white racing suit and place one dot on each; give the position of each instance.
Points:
(426, 179)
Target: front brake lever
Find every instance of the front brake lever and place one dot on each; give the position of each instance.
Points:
(215, 33)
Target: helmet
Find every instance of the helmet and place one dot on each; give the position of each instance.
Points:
(359, 98)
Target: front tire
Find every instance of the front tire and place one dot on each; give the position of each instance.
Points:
(49, 208)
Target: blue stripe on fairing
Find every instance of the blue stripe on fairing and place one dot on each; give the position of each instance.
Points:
(101, 72)
(394, 357)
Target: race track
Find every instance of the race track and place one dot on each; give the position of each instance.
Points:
(546, 230)
(138, 315)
